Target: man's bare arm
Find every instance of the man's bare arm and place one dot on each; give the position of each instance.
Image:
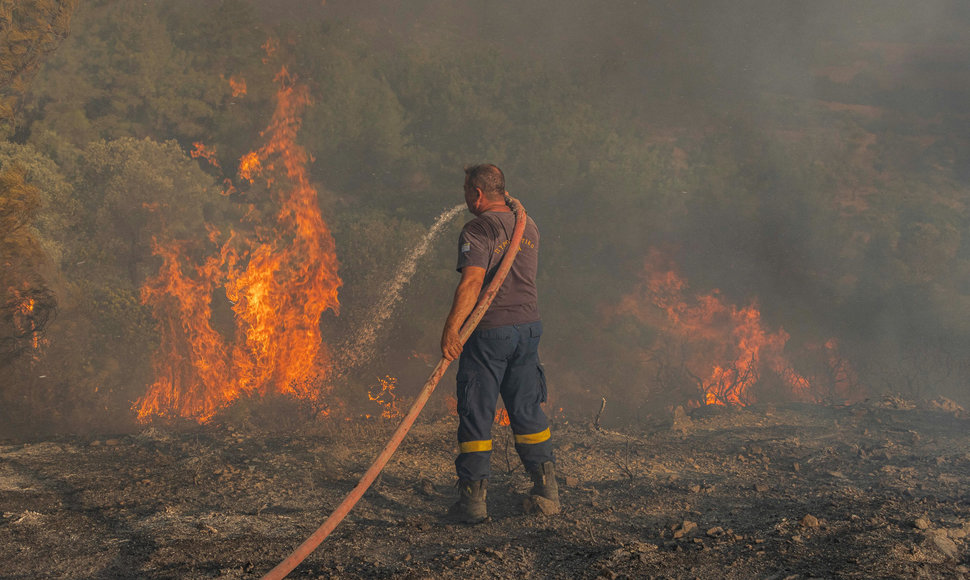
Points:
(466, 296)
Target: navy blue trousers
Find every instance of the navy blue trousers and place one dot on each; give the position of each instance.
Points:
(501, 361)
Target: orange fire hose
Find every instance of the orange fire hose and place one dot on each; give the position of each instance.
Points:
(304, 550)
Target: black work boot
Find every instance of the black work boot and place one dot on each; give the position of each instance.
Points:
(470, 507)
(544, 496)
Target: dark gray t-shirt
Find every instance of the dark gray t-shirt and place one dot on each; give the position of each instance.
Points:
(482, 243)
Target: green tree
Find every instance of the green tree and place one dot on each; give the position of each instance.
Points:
(131, 191)
(127, 72)
(57, 212)
(29, 31)
(26, 303)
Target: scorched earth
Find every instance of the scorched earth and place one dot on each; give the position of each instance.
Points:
(871, 490)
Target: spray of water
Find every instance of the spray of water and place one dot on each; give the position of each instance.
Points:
(360, 348)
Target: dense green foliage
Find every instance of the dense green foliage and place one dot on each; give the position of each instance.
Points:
(29, 30)
(840, 222)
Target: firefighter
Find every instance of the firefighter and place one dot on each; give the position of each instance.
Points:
(501, 356)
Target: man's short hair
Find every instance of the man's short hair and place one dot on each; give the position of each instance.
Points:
(486, 177)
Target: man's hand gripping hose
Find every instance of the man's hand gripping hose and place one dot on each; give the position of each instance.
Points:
(351, 499)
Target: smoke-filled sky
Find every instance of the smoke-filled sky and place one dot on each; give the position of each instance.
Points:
(727, 47)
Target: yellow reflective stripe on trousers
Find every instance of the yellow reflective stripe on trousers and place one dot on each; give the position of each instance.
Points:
(473, 446)
(533, 438)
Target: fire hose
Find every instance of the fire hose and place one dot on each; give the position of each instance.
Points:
(351, 499)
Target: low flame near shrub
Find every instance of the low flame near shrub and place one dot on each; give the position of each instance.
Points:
(717, 350)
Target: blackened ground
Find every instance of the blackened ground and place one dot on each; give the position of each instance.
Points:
(873, 490)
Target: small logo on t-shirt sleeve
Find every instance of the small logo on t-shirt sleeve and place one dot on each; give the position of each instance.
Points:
(466, 247)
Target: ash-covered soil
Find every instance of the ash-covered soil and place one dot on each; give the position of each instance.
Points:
(871, 490)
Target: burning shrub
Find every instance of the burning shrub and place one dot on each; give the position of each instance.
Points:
(709, 351)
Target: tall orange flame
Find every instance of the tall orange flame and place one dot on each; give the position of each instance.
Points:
(279, 281)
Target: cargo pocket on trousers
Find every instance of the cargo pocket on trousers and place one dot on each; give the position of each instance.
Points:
(541, 387)
(464, 390)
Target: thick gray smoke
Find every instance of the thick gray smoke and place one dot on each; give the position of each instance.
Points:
(807, 159)
(819, 120)
(713, 49)
(869, 95)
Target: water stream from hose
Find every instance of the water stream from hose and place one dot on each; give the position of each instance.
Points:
(359, 349)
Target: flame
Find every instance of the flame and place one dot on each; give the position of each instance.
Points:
(501, 415)
(270, 47)
(731, 343)
(25, 310)
(386, 398)
(731, 383)
(23, 317)
(279, 282)
(238, 86)
(192, 369)
(201, 151)
(250, 166)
